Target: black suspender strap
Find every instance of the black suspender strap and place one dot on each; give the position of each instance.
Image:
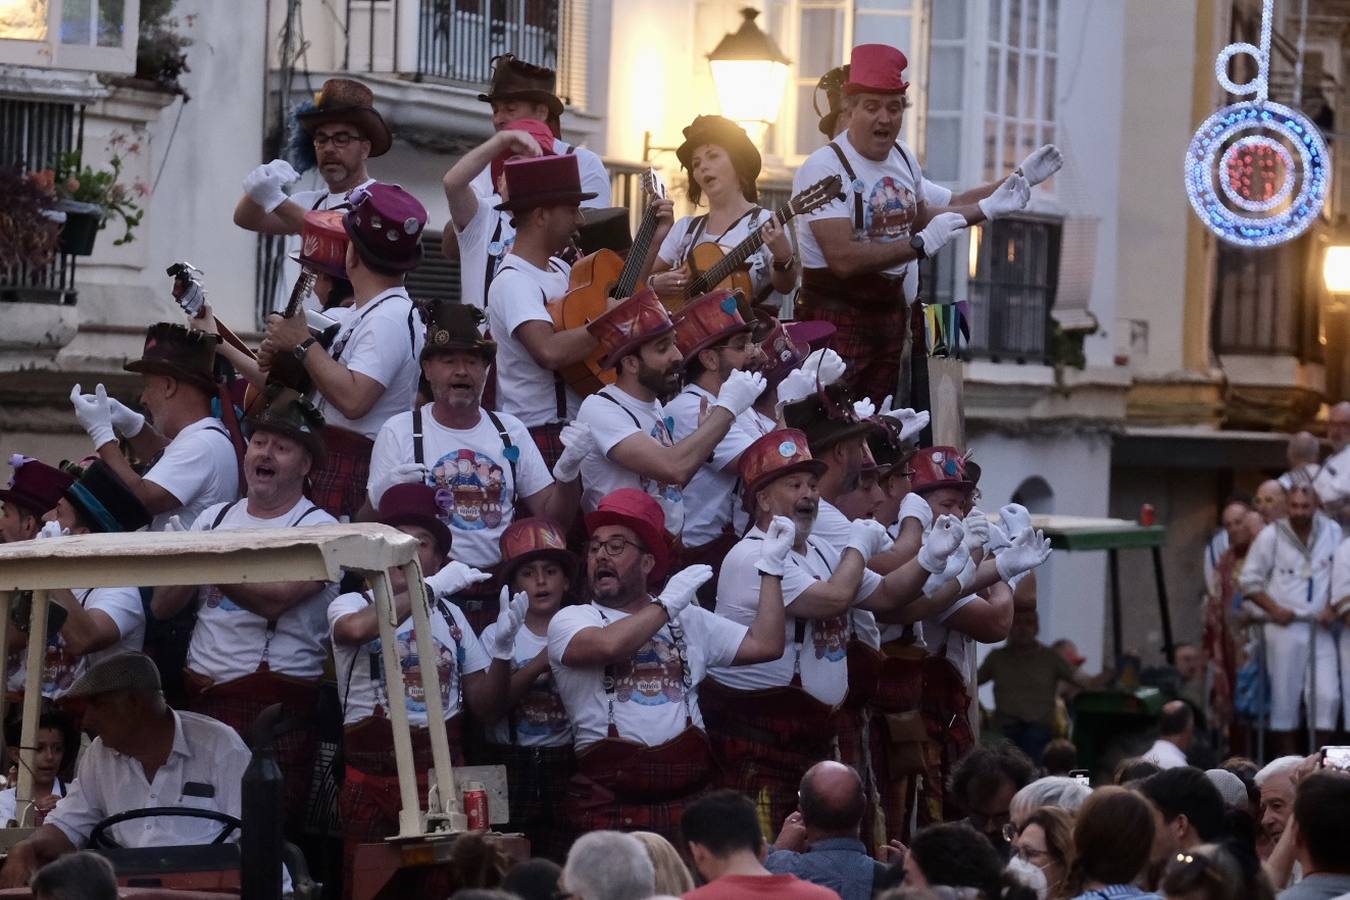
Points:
(660, 422)
(318, 203)
(417, 435)
(490, 267)
(224, 511)
(853, 179)
(506, 447)
(696, 232)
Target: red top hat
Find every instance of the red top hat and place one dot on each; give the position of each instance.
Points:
(385, 224)
(639, 511)
(35, 485)
(526, 540)
(775, 455)
(546, 181)
(708, 321)
(939, 467)
(415, 504)
(535, 129)
(876, 69)
(323, 243)
(636, 321)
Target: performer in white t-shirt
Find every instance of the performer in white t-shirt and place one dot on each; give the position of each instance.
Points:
(56, 745)
(370, 371)
(628, 666)
(257, 644)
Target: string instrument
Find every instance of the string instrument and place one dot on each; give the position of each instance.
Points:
(709, 267)
(596, 280)
(189, 294)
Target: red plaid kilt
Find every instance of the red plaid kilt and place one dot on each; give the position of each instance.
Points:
(859, 743)
(624, 786)
(339, 486)
(548, 438)
(764, 741)
(899, 690)
(946, 712)
(538, 779)
(870, 338)
(237, 703)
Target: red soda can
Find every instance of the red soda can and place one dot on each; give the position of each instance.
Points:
(1146, 514)
(476, 806)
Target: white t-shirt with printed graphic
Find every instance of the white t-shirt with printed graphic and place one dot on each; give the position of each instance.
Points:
(472, 474)
(711, 496)
(228, 640)
(60, 669)
(613, 415)
(686, 234)
(382, 340)
(891, 192)
(458, 650)
(824, 649)
(649, 692)
(540, 718)
(519, 294)
(200, 468)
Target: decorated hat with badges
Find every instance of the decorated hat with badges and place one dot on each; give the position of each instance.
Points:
(708, 321)
(624, 329)
(323, 243)
(287, 413)
(385, 225)
(940, 467)
(456, 327)
(178, 352)
(527, 540)
(345, 100)
(35, 486)
(776, 455)
(827, 417)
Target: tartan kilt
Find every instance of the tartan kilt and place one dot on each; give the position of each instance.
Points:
(899, 690)
(339, 486)
(537, 779)
(548, 438)
(870, 342)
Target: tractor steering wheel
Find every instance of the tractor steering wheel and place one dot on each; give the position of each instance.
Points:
(99, 840)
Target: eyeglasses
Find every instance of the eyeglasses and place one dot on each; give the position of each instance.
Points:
(613, 547)
(340, 140)
(1038, 858)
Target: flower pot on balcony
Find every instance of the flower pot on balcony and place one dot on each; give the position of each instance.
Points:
(83, 221)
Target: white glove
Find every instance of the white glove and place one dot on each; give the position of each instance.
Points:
(940, 230)
(824, 365)
(95, 414)
(681, 588)
(998, 539)
(264, 184)
(1041, 164)
(913, 506)
(777, 543)
(174, 524)
(864, 408)
(911, 422)
(740, 391)
(509, 620)
(976, 527)
(868, 537)
(951, 571)
(796, 385)
(454, 577)
(941, 543)
(1015, 518)
(403, 473)
(1010, 196)
(578, 441)
(1028, 550)
(51, 530)
(966, 577)
(125, 420)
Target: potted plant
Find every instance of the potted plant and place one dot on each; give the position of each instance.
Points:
(90, 198)
(29, 233)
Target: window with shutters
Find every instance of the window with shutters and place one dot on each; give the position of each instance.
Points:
(574, 37)
(96, 35)
(436, 280)
(458, 39)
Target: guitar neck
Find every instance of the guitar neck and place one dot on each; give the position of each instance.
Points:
(304, 286)
(637, 255)
(736, 257)
(233, 340)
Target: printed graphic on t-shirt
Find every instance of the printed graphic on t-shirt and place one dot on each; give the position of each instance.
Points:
(541, 711)
(405, 645)
(669, 496)
(652, 676)
(829, 637)
(889, 211)
(470, 490)
(58, 671)
(215, 599)
(499, 249)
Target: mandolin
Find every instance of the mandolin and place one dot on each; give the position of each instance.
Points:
(596, 280)
(710, 267)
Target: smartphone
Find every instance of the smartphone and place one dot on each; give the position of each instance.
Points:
(1336, 757)
(1083, 777)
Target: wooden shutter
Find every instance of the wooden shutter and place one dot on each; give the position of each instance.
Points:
(573, 32)
(437, 278)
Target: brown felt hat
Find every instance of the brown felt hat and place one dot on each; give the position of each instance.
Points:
(345, 100)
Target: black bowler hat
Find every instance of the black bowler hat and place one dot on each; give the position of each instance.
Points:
(827, 417)
(104, 503)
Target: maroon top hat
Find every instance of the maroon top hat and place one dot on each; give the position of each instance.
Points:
(876, 69)
(178, 352)
(415, 504)
(773, 456)
(35, 486)
(546, 181)
(515, 79)
(323, 243)
(344, 100)
(639, 511)
(526, 540)
(708, 321)
(939, 467)
(634, 322)
(535, 129)
(385, 223)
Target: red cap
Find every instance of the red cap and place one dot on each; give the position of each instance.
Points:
(708, 321)
(634, 322)
(773, 456)
(939, 467)
(415, 504)
(385, 223)
(535, 129)
(526, 540)
(323, 242)
(639, 511)
(876, 69)
(35, 485)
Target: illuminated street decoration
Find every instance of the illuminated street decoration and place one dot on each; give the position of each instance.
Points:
(1257, 172)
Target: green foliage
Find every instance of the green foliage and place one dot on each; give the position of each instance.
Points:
(27, 236)
(75, 181)
(160, 52)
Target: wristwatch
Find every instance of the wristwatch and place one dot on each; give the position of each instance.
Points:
(917, 243)
(301, 349)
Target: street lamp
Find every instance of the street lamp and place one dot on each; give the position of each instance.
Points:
(1336, 268)
(750, 74)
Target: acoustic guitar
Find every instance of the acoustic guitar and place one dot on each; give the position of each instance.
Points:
(710, 267)
(598, 279)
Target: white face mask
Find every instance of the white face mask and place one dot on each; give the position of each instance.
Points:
(51, 530)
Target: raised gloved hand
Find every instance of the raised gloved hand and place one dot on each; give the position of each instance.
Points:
(740, 391)
(796, 385)
(94, 413)
(264, 184)
(509, 619)
(940, 230)
(403, 473)
(952, 570)
(578, 442)
(125, 420)
(1028, 550)
(454, 577)
(868, 537)
(51, 530)
(1015, 518)
(823, 366)
(976, 527)
(776, 546)
(910, 421)
(941, 543)
(913, 506)
(998, 539)
(864, 408)
(681, 588)
(1010, 196)
(1041, 164)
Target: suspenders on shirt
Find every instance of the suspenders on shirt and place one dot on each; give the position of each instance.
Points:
(858, 219)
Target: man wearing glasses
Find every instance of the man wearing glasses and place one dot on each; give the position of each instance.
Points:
(628, 667)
